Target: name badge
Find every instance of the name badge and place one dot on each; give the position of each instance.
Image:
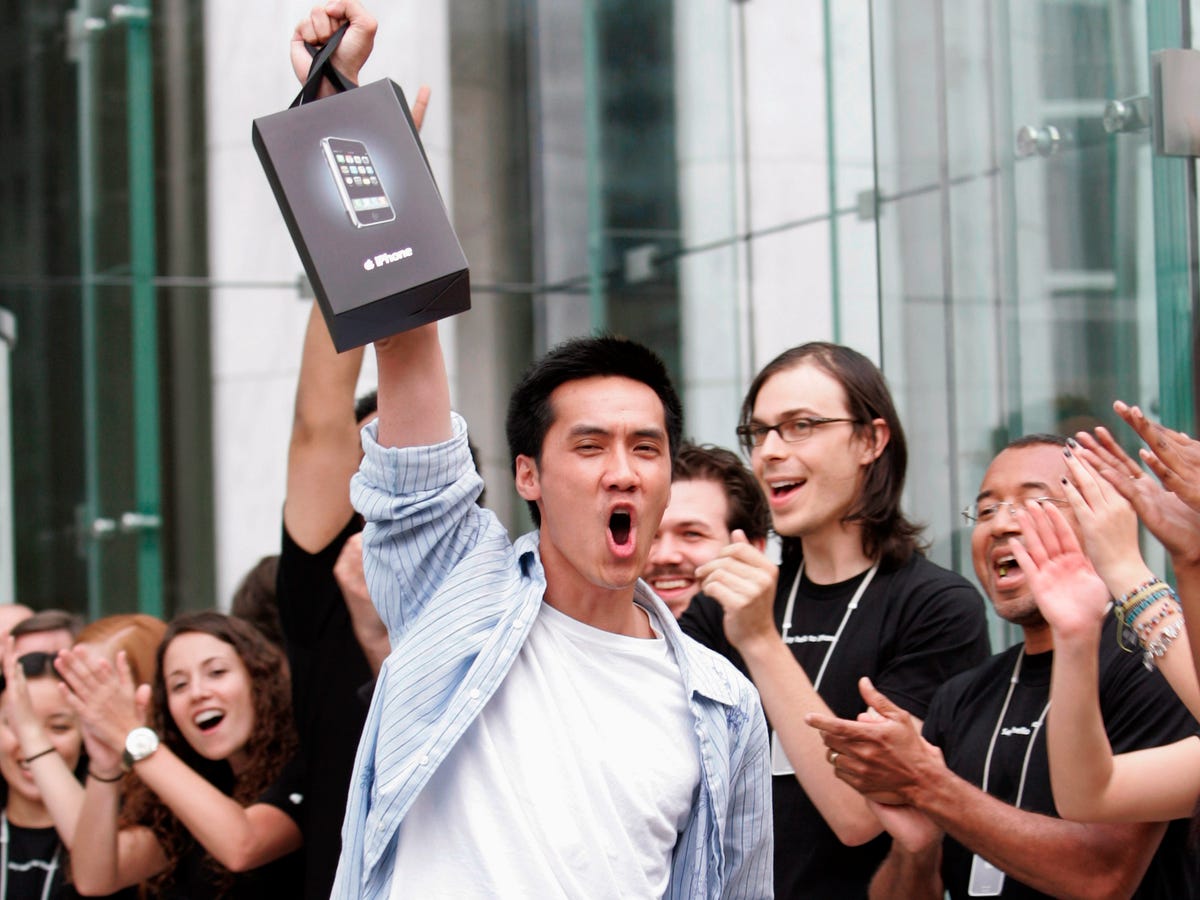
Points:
(986, 879)
(780, 764)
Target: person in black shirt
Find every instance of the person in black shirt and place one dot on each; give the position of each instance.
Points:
(977, 815)
(214, 809)
(335, 640)
(39, 736)
(854, 596)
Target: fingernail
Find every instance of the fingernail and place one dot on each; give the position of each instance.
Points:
(1066, 451)
(1071, 442)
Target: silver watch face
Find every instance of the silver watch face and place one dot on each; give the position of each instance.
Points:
(141, 742)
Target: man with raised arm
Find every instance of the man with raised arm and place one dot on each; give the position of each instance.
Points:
(541, 727)
(977, 815)
(334, 639)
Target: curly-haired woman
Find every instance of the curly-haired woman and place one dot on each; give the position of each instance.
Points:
(212, 812)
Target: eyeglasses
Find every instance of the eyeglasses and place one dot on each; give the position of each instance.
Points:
(34, 665)
(793, 430)
(976, 515)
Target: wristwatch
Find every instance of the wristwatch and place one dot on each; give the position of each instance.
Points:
(139, 744)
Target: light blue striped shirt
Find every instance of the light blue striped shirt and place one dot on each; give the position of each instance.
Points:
(459, 599)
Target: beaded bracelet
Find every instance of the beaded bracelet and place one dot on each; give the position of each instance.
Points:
(1145, 629)
(1136, 599)
(27, 760)
(1124, 599)
(1157, 649)
(1141, 599)
(112, 780)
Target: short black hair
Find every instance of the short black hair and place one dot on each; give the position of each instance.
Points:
(1036, 440)
(529, 411)
(748, 509)
(49, 620)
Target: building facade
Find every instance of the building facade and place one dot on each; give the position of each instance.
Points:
(967, 192)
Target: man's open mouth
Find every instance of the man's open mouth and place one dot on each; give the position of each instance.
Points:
(620, 526)
(1004, 565)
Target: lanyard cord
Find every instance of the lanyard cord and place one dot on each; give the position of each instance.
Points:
(47, 880)
(791, 604)
(1037, 726)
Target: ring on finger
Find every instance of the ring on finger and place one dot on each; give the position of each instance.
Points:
(832, 756)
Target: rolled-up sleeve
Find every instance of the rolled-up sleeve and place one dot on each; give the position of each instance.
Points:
(421, 519)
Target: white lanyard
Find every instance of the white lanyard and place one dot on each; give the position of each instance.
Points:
(46, 882)
(780, 764)
(854, 601)
(1037, 726)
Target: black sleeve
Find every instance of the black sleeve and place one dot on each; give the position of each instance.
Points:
(1139, 707)
(934, 727)
(704, 622)
(307, 593)
(941, 631)
(286, 792)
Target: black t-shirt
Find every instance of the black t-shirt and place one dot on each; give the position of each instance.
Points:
(198, 877)
(35, 856)
(915, 627)
(1139, 710)
(328, 670)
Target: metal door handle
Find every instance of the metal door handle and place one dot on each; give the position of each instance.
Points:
(1130, 114)
(135, 521)
(1035, 141)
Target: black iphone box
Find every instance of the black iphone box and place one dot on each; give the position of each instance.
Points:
(355, 188)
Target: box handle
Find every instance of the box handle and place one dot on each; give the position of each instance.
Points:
(322, 67)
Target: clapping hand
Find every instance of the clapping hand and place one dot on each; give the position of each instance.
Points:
(106, 700)
(1070, 594)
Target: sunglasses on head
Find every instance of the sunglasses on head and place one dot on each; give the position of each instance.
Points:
(34, 665)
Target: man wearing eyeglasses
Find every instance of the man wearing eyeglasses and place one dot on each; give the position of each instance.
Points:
(854, 596)
(977, 815)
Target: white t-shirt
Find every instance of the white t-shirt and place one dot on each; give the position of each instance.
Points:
(574, 781)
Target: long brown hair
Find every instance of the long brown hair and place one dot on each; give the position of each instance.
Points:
(272, 742)
(887, 534)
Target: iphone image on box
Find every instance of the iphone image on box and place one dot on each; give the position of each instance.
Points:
(362, 192)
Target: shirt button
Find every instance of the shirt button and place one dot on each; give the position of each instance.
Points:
(424, 760)
(474, 695)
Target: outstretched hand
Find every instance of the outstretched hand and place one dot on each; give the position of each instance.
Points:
(1171, 455)
(1172, 521)
(1070, 594)
(1107, 523)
